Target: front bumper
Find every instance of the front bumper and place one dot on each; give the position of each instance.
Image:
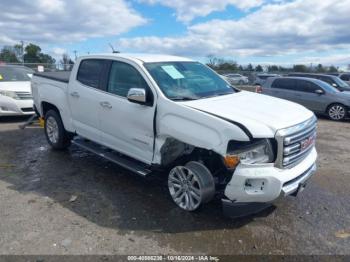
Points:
(265, 183)
(13, 107)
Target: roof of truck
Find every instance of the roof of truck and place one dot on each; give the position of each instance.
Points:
(146, 58)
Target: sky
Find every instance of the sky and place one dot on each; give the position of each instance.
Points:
(281, 32)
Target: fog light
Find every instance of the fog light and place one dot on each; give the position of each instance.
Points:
(255, 186)
(4, 108)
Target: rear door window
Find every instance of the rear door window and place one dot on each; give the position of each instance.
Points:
(284, 83)
(306, 86)
(345, 77)
(90, 72)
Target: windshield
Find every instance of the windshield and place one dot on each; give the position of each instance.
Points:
(11, 74)
(187, 80)
(341, 83)
(327, 87)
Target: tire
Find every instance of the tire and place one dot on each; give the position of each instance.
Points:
(336, 112)
(57, 137)
(191, 185)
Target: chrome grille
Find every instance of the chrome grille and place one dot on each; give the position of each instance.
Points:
(294, 143)
(24, 95)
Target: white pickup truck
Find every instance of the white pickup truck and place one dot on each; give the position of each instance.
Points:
(156, 112)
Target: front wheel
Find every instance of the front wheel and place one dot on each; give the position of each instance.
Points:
(336, 112)
(191, 185)
(56, 135)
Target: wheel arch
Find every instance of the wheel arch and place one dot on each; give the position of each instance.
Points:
(46, 106)
(64, 114)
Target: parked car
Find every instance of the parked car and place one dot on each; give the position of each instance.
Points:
(260, 79)
(330, 79)
(345, 77)
(236, 79)
(178, 117)
(15, 93)
(314, 94)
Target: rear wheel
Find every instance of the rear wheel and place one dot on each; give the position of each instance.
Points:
(336, 112)
(191, 185)
(56, 135)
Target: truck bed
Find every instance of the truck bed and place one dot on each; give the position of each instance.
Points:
(62, 76)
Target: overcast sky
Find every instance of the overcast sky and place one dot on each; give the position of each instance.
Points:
(256, 31)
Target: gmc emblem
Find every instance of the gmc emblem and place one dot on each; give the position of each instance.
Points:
(307, 142)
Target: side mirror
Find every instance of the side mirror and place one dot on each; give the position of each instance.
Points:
(319, 91)
(137, 95)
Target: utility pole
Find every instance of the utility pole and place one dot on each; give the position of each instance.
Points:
(22, 51)
(75, 54)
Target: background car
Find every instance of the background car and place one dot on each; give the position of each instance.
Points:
(345, 77)
(15, 92)
(314, 94)
(260, 79)
(236, 79)
(330, 79)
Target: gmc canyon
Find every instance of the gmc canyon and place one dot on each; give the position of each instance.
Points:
(172, 114)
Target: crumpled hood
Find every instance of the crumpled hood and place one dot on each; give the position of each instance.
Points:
(262, 115)
(17, 86)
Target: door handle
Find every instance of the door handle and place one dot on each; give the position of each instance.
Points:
(75, 94)
(106, 104)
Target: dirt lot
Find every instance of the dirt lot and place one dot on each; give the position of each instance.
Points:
(76, 203)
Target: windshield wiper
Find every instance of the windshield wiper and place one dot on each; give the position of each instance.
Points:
(219, 94)
(183, 98)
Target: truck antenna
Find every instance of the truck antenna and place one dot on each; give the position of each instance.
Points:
(113, 51)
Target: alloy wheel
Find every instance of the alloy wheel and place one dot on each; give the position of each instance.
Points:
(52, 129)
(184, 187)
(336, 112)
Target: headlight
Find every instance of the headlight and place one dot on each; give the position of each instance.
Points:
(250, 153)
(11, 94)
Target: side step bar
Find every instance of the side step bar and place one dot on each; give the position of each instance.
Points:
(113, 156)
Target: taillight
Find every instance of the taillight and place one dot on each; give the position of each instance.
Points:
(258, 89)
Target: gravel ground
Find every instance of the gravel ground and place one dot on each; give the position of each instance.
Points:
(74, 202)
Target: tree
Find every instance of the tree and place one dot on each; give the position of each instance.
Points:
(33, 55)
(272, 68)
(300, 68)
(222, 64)
(18, 49)
(320, 68)
(259, 68)
(249, 67)
(8, 55)
(66, 62)
(332, 69)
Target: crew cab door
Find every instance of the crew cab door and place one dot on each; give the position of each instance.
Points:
(127, 126)
(84, 92)
(309, 98)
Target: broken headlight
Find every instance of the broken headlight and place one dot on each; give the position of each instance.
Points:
(256, 152)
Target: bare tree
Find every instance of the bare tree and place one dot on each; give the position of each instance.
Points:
(66, 62)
